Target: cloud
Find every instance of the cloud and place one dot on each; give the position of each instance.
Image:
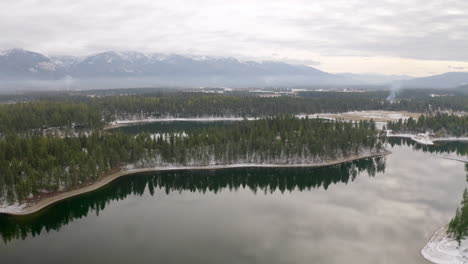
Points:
(296, 29)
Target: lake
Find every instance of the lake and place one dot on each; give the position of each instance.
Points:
(380, 210)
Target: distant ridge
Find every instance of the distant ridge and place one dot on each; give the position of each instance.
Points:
(20, 65)
(446, 80)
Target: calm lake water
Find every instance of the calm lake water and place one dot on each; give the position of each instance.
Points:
(370, 211)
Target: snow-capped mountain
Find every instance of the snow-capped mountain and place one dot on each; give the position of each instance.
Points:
(20, 64)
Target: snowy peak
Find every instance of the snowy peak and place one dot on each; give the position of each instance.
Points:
(173, 69)
(22, 63)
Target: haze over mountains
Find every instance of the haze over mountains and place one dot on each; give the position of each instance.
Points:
(22, 68)
(134, 68)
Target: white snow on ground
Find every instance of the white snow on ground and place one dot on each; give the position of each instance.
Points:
(376, 115)
(458, 158)
(451, 139)
(441, 249)
(14, 208)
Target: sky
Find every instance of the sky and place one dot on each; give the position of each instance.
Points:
(410, 37)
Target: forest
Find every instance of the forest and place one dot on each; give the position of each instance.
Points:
(36, 116)
(89, 112)
(439, 124)
(33, 164)
(458, 225)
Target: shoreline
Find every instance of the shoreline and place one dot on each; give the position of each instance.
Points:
(376, 115)
(132, 122)
(426, 140)
(43, 203)
(441, 249)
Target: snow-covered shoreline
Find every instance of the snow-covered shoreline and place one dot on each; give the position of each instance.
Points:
(377, 115)
(129, 122)
(13, 208)
(25, 209)
(427, 140)
(194, 119)
(442, 249)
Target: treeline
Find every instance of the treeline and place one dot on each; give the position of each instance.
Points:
(33, 164)
(279, 140)
(263, 180)
(458, 226)
(87, 112)
(198, 104)
(440, 124)
(39, 115)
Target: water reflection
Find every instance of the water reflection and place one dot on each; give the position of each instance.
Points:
(449, 147)
(263, 180)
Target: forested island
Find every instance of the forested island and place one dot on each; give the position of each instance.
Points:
(32, 163)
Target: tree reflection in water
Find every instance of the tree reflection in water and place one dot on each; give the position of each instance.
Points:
(266, 180)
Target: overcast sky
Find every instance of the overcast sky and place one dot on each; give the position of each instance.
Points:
(415, 37)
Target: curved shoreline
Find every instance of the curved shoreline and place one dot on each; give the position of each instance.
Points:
(441, 249)
(33, 208)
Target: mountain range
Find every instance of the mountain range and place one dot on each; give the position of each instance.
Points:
(131, 69)
(18, 64)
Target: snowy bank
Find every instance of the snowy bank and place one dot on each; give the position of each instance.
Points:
(376, 115)
(129, 122)
(425, 139)
(442, 249)
(196, 119)
(451, 139)
(12, 209)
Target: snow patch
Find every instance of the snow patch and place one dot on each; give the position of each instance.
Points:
(196, 119)
(442, 249)
(47, 66)
(425, 139)
(13, 208)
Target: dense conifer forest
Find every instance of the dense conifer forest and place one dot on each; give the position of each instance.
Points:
(33, 164)
(88, 112)
(458, 225)
(439, 124)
